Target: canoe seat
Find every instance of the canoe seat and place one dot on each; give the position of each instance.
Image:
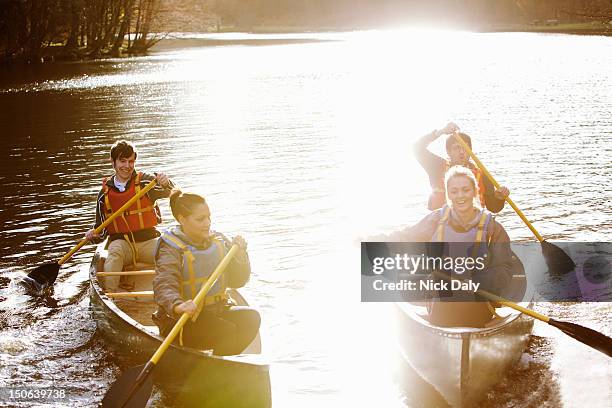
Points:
(121, 295)
(138, 266)
(128, 273)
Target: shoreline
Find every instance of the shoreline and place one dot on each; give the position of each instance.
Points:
(600, 29)
(561, 29)
(55, 54)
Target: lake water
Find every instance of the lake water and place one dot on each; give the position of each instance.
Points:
(304, 147)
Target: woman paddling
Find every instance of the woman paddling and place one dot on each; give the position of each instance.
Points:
(186, 255)
(468, 231)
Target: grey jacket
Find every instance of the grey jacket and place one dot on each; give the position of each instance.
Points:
(168, 266)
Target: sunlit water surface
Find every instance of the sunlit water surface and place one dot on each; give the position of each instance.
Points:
(303, 148)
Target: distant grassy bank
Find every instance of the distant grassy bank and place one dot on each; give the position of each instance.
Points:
(562, 28)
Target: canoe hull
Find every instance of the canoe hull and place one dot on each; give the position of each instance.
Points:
(462, 364)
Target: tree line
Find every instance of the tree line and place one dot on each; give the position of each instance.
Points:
(35, 30)
(568, 10)
(352, 13)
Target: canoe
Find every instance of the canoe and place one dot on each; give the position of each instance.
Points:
(462, 363)
(194, 377)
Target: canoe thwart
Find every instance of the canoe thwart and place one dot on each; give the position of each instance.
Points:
(128, 273)
(119, 295)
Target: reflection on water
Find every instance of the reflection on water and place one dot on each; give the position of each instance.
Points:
(303, 148)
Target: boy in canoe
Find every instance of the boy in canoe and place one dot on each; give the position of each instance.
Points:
(133, 236)
(435, 166)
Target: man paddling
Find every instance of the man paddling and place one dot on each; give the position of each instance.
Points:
(133, 236)
(435, 166)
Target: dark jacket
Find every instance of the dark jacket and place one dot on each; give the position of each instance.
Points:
(500, 260)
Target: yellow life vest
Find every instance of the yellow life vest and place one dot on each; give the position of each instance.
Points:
(197, 265)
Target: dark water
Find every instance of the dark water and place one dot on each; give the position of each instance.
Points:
(304, 148)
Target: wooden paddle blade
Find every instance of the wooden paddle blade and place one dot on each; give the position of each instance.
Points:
(126, 392)
(590, 337)
(43, 276)
(557, 260)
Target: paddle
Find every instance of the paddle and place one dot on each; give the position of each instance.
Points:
(44, 275)
(133, 388)
(590, 337)
(556, 259)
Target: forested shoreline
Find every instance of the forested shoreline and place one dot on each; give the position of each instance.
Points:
(43, 30)
(36, 31)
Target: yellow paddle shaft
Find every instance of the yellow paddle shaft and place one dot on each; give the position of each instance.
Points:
(496, 184)
(503, 301)
(110, 219)
(197, 300)
(514, 306)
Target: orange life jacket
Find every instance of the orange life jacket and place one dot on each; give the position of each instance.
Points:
(140, 215)
(437, 198)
